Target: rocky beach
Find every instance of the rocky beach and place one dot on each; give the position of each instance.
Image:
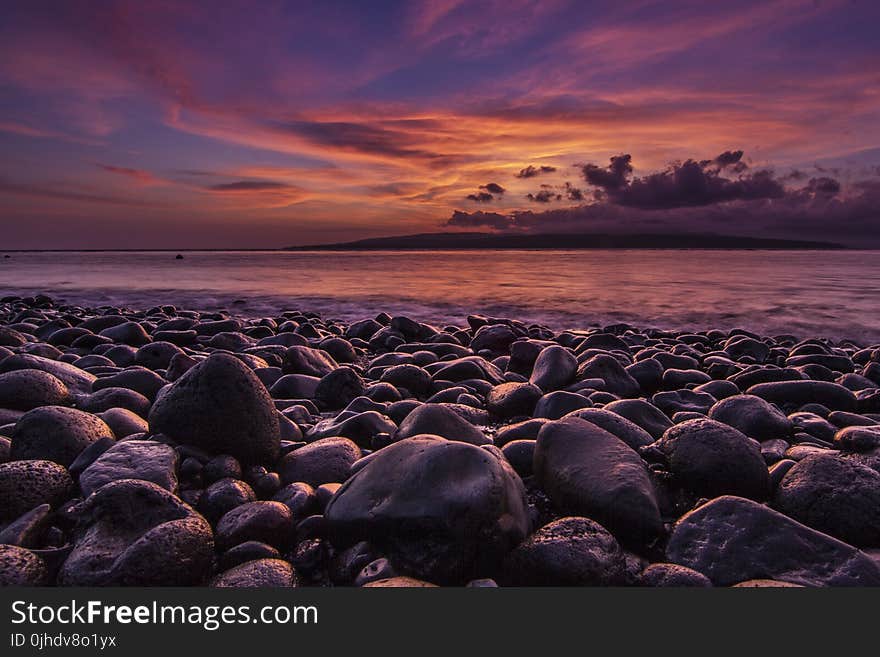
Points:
(171, 447)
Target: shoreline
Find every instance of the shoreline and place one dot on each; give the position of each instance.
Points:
(294, 450)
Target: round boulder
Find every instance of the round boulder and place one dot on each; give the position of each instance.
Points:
(440, 509)
(222, 407)
(56, 433)
(753, 416)
(28, 484)
(24, 390)
(570, 551)
(324, 461)
(134, 533)
(709, 458)
(837, 496)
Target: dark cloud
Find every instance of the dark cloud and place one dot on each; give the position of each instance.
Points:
(612, 177)
(702, 197)
(532, 171)
(686, 184)
(493, 188)
(824, 186)
(544, 196)
(730, 160)
(249, 186)
(480, 197)
(573, 193)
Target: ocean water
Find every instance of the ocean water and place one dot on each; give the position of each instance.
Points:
(833, 294)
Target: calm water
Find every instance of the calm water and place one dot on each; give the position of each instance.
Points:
(822, 293)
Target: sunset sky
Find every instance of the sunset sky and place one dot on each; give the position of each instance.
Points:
(263, 124)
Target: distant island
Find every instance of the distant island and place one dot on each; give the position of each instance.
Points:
(566, 241)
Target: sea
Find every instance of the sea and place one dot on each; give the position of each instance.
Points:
(832, 294)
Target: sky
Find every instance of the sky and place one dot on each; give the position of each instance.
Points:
(170, 124)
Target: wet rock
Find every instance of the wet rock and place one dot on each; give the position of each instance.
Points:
(21, 567)
(399, 583)
(134, 533)
(559, 403)
(221, 467)
(259, 573)
(76, 380)
(642, 413)
(339, 388)
(409, 377)
(440, 420)
(300, 498)
(28, 389)
(833, 495)
(672, 575)
(617, 380)
(648, 373)
(520, 454)
(108, 398)
(305, 360)
(295, 386)
(629, 432)
(362, 428)
(132, 459)
(732, 539)
(794, 394)
(513, 399)
(267, 522)
(470, 504)
(858, 439)
(29, 529)
(220, 406)
(140, 379)
(157, 355)
(709, 458)
(494, 338)
(525, 430)
(683, 401)
(742, 345)
(752, 416)
(324, 461)
(26, 484)
(224, 495)
(123, 422)
(130, 333)
(247, 551)
(555, 368)
(587, 470)
(571, 551)
(56, 433)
